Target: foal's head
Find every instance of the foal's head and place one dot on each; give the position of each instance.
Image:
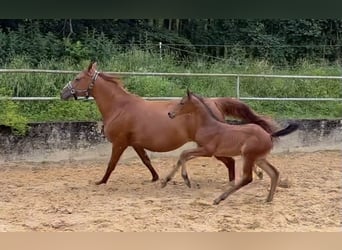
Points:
(185, 106)
(82, 84)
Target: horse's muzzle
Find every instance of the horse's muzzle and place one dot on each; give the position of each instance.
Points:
(65, 95)
(171, 115)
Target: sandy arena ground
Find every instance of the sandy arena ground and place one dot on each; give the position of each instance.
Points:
(61, 196)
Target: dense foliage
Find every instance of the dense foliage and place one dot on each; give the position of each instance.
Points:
(278, 41)
(306, 47)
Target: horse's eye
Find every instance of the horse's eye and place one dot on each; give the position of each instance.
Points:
(77, 79)
(181, 103)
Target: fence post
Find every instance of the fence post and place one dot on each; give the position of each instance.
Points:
(238, 87)
(160, 50)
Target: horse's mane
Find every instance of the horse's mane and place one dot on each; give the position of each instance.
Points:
(112, 78)
(206, 106)
(117, 80)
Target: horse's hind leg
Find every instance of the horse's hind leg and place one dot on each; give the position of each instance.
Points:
(274, 175)
(247, 178)
(229, 162)
(116, 153)
(147, 162)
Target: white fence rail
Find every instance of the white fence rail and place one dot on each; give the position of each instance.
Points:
(237, 76)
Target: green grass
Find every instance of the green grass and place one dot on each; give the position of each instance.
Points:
(139, 61)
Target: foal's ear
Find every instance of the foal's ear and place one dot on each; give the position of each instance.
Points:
(188, 93)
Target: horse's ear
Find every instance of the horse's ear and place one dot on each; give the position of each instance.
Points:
(92, 67)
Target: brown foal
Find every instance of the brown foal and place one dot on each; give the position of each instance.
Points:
(221, 139)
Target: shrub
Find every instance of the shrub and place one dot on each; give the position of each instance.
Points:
(11, 116)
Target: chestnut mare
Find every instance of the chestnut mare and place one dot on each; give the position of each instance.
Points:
(129, 120)
(224, 140)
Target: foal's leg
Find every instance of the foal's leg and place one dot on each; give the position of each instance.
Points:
(117, 151)
(258, 173)
(230, 164)
(274, 175)
(168, 178)
(146, 160)
(191, 154)
(247, 178)
(185, 156)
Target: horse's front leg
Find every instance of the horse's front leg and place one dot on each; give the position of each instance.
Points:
(185, 156)
(117, 151)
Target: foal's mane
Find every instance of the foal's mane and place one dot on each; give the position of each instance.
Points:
(206, 106)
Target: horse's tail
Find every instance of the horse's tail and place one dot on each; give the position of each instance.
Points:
(238, 109)
(289, 129)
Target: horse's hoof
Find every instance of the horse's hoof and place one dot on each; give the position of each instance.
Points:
(99, 182)
(216, 201)
(268, 200)
(155, 178)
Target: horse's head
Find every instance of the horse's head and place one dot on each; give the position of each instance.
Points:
(185, 106)
(82, 84)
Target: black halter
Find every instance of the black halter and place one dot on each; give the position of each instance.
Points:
(74, 91)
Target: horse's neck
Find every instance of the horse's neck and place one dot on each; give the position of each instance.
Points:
(108, 97)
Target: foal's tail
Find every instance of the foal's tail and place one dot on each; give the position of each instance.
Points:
(288, 130)
(238, 109)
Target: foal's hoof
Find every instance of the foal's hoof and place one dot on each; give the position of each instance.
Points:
(260, 175)
(163, 183)
(187, 182)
